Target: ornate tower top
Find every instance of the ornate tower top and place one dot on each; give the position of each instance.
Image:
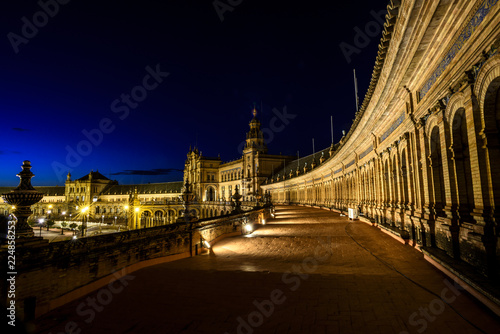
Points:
(255, 137)
(25, 175)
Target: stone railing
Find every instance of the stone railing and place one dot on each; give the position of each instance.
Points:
(50, 275)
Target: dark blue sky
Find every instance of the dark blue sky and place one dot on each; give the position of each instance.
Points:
(73, 73)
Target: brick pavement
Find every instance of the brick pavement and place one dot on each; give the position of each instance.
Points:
(300, 273)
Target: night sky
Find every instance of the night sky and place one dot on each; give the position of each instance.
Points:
(195, 78)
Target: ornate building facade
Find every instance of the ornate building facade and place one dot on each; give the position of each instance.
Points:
(215, 182)
(96, 198)
(423, 153)
(421, 158)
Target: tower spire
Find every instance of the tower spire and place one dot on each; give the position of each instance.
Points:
(255, 137)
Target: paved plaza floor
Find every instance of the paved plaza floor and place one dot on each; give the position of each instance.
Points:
(306, 271)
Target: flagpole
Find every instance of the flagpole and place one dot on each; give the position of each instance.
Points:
(356, 91)
(331, 123)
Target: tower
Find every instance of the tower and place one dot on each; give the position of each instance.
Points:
(255, 137)
(254, 147)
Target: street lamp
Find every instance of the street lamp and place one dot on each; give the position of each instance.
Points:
(48, 212)
(84, 223)
(136, 217)
(40, 221)
(115, 219)
(64, 221)
(126, 215)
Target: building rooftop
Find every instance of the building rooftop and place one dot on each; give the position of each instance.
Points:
(48, 191)
(300, 163)
(150, 188)
(95, 176)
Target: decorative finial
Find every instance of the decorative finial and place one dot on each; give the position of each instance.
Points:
(254, 112)
(22, 198)
(25, 175)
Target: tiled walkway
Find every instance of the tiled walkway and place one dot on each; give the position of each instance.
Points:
(300, 273)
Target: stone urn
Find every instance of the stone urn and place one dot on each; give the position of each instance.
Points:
(22, 198)
(187, 197)
(236, 198)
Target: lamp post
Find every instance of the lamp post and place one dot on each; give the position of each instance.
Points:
(84, 223)
(40, 221)
(136, 217)
(115, 220)
(48, 218)
(64, 221)
(126, 215)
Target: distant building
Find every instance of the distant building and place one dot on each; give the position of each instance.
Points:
(215, 181)
(107, 201)
(144, 205)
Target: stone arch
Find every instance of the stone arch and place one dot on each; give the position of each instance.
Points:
(146, 217)
(404, 179)
(490, 134)
(489, 159)
(158, 217)
(437, 174)
(394, 178)
(171, 216)
(485, 82)
(456, 102)
(385, 179)
(462, 161)
(211, 193)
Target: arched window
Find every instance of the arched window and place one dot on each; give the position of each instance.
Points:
(437, 172)
(210, 194)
